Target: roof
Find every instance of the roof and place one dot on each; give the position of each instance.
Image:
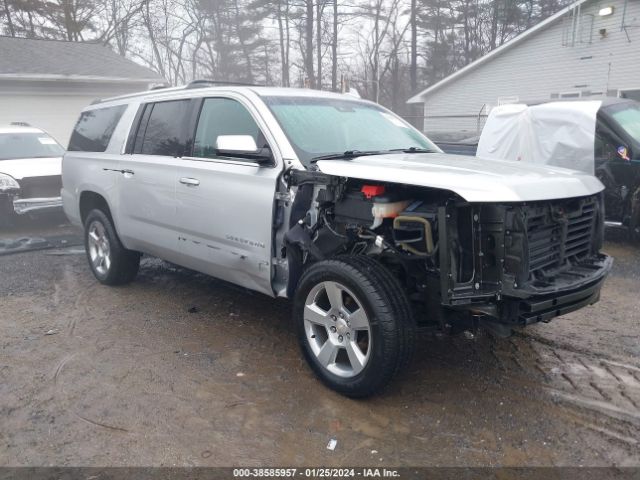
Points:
(12, 129)
(258, 90)
(24, 58)
(419, 97)
(603, 99)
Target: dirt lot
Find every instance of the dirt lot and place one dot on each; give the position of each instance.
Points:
(91, 375)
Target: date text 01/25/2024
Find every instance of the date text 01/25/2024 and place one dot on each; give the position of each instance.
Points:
(316, 472)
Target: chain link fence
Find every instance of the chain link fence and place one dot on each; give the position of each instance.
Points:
(448, 128)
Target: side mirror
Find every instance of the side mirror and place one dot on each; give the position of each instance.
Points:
(236, 143)
(243, 146)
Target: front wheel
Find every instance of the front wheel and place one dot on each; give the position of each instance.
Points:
(110, 262)
(354, 324)
(634, 223)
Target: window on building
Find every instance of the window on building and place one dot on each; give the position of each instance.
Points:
(632, 94)
(570, 95)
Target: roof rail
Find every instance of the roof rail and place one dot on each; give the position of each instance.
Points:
(203, 83)
(160, 86)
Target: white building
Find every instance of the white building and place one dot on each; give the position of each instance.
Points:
(589, 49)
(47, 82)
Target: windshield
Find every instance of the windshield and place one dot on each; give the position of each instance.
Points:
(18, 145)
(324, 126)
(629, 120)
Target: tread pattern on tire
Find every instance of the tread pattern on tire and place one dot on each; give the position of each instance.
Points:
(401, 304)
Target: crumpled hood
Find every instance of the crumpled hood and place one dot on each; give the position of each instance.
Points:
(474, 179)
(32, 167)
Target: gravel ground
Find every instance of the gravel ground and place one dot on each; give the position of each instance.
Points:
(180, 369)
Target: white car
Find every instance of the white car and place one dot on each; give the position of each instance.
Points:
(30, 171)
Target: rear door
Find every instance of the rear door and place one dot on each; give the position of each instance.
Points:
(225, 204)
(147, 190)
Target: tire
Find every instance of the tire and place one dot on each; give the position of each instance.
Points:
(7, 215)
(110, 262)
(634, 222)
(359, 353)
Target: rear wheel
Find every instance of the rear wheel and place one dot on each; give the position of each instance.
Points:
(110, 262)
(354, 324)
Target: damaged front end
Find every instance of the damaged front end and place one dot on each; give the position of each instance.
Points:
(497, 265)
(30, 195)
(518, 264)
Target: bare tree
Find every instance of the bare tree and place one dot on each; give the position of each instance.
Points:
(308, 51)
(7, 12)
(334, 48)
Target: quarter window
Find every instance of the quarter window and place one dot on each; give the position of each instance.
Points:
(162, 129)
(223, 116)
(94, 129)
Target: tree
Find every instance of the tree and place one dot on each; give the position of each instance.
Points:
(389, 48)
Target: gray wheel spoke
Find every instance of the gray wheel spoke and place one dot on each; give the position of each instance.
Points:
(356, 357)
(327, 354)
(99, 248)
(343, 329)
(334, 293)
(314, 314)
(359, 320)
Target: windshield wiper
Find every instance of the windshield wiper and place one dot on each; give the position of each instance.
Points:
(412, 150)
(348, 155)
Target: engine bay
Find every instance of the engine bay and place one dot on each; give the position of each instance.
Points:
(460, 263)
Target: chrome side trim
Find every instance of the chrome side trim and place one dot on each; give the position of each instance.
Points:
(27, 205)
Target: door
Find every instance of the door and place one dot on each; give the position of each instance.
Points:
(147, 209)
(225, 203)
(615, 173)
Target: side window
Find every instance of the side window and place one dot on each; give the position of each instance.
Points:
(162, 129)
(605, 147)
(223, 116)
(94, 128)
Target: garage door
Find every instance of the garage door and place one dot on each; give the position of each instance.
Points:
(55, 114)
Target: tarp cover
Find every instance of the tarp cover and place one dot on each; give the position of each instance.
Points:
(560, 134)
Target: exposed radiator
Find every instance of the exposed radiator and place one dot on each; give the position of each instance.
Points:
(559, 232)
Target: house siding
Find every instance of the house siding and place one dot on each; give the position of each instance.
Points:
(54, 106)
(541, 65)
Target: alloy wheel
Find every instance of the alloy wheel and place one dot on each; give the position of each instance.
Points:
(99, 248)
(337, 329)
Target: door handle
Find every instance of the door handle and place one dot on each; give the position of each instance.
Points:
(190, 182)
(124, 171)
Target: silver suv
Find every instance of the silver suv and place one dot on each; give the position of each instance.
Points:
(338, 204)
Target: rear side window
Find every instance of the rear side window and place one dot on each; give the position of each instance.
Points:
(223, 116)
(94, 128)
(162, 129)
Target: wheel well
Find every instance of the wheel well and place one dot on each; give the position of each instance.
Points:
(90, 201)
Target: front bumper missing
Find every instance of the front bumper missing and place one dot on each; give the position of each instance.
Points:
(32, 205)
(543, 308)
